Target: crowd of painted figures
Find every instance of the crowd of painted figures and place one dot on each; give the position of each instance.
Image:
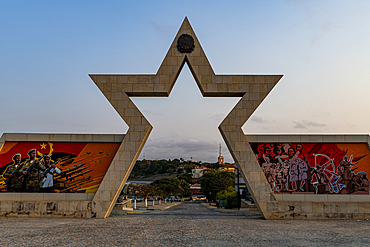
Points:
(287, 169)
(33, 175)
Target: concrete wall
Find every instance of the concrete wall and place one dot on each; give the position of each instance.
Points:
(315, 206)
(47, 204)
(53, 204)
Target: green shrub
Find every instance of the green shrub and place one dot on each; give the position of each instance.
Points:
(230, 196)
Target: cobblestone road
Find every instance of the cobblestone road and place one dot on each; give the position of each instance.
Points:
(187, 224)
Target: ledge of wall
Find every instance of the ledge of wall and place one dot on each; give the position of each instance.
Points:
(10, 196)
(61, 137)
(322, 198)
(360, 138)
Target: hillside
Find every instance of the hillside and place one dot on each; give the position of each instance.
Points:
(151, 170)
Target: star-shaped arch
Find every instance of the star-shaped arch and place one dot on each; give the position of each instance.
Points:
(118, 88)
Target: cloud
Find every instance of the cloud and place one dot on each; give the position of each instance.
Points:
(323, 30)
(158, 27)
(304, 124)
(204, 150)
(187, 145)
(216, 116)
(258, 119)
(299, 125)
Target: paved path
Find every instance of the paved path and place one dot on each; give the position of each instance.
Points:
(186, 224)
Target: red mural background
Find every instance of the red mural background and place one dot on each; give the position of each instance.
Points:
(83, 165)
(320, 168)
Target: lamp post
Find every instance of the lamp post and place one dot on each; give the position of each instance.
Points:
(135, 199)
(237, 187)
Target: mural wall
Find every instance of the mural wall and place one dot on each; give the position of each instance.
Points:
(319, 168)
(54, 167)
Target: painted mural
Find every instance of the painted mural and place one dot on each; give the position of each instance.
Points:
(58, 167)
(340, 168)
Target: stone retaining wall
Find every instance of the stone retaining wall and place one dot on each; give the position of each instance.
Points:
(86, 209)
(320, 210)
(48, 204)
(308, 206)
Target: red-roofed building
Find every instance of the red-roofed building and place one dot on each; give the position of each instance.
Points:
(195, 188)
(227, 167)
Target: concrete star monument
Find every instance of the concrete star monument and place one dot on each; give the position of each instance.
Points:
(348, 200)
(184, 49)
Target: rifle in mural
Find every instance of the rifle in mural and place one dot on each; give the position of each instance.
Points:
(47, 170)
(295, 156)
(9, 179)
(31, 166)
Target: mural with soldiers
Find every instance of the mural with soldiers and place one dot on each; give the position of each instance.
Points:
(54, 167)
(340, 168)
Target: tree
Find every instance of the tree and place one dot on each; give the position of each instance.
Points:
(214, 166)
(147, 190)
(188, 177)
(229, 194)
(141, 189)
(166, 186)
(183, 187)
(173, 186)
(216, 181)
(133, 189)
(163, 187)
(147, 168)
(189, 166)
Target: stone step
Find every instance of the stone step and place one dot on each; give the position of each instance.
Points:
(248, 204)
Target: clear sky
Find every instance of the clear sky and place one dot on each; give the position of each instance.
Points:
(48, 48)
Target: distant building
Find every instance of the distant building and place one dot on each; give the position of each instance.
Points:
(227, 167)
(195, 188)
(205, 169)
(220, 159)
(198, 172)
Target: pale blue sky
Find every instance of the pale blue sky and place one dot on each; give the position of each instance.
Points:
(48, 48)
